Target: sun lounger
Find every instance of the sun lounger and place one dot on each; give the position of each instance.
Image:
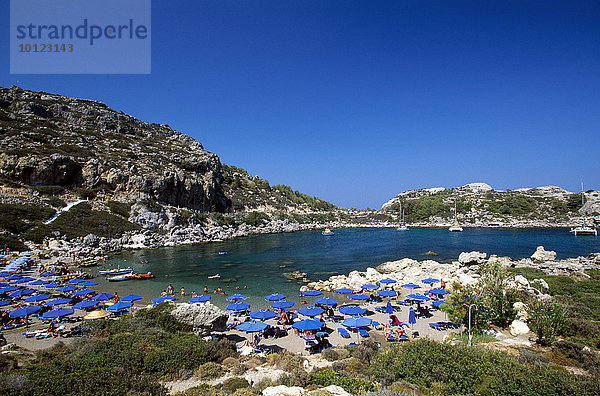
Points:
(343, 332)
(436, 326)
(403, 338)
(377, 325)
(363, 332)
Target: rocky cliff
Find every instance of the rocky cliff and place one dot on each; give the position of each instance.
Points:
(52, 140)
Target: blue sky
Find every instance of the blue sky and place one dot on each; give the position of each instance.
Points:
(355, 101)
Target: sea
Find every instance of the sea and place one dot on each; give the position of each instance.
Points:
(259, 265)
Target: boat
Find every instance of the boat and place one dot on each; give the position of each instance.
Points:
(455, 227)
(149, 275)
(585, 229)
(217, 276)
(118, 278)
(327, 231)
(222, 253)
(401, 223)
(117, 271)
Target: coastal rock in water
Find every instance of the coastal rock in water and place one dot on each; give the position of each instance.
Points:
(518, 327)
(204, 318)
(282, 390)
(472, 258)
(542, 254)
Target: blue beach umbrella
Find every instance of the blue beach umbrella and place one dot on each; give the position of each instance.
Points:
(357, 321)
(14, 277)
(352, 310)
(38, 282)
(160, 299)
(25, 279)
(84, 292)
(21, 293)
(236, 297)
(275, 297)
(263, 314)
(417, 297)
(282, 305)
(439, 290)
(199, 299)
(57, 301)
(9, 289)
(75, 281)
(5, 302)
(108, 296)
(387, 281)
(412, 319)
(326, 301)
(57, 313)
(120, 306)
(308, 324)
(85, 304)
(5, 274)
(430, 281)
(387, 293)
(311, 311)
(49, 274)
(411, 286)
(344, 290)
(38, 297)
(369, 286)
(24, 311)
(311, 293)
(438, 303)
(252, 326)
(358, 296)
(388, 308)
(66, 289)
(87, 284)
(131, 297)
(238, 306)
(52, 285)
(2, 284)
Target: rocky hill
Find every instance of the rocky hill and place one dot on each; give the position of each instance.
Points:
(478, 204)
(56, 150)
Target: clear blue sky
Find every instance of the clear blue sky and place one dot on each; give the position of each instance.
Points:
(355, 101)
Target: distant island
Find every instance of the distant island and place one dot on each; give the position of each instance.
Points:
(78, 176)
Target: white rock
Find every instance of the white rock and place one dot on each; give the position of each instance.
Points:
(521, 310)
(542, 283)
(471, 258)
(333, 389)
(282, 390)
(521, 281)
(542, 254)
(518, 327)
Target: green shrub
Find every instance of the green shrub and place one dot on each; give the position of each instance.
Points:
(210, 370)
(50, 190)
(235, 383)
(350, 384)
(12, 242)
(55, 202)
(81, 220)
(120, 208)
(256, 218)
(546, 320)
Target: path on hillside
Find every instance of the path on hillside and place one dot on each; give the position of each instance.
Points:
(62, 210)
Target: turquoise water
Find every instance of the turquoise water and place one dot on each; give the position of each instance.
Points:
(259, 262)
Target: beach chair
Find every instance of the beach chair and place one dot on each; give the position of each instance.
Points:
(363, 332)
(343, 332)
(377, 325)
(437, 326)
(403, 338)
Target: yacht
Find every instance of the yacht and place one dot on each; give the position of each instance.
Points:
(327, 231)
(401, 223)
(455, 227)
(585, 229)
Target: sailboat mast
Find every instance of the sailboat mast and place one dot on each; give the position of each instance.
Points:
(583, 204)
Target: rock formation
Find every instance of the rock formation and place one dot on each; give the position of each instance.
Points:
(204, 318)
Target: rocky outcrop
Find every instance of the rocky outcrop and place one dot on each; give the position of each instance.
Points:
(542, 254)
(60, 141)
(471, 258)
(518, 327)
(204, 318)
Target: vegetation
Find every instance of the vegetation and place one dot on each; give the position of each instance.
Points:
(120, 208)
(546, 320)
(82, 220)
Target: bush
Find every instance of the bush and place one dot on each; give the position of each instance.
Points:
(55, 202)
(82, 220)
(350, 384)
(235, 383)
(120, 208)
(546, 320)
(210, 370)
(256, 218)
(50, 190)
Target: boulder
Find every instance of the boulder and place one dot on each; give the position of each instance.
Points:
(204, 318)
(282, 390)
(471, 258)
(520, 280)
(542, 254)
(542, 283)
(518, 327)
(333, 390)
(521, 310)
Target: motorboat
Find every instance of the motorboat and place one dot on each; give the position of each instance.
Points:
(119, 278)
(217, 276)
(116, 271)
(455, 227)
(584, 229)
(148, 275)
(327, 231)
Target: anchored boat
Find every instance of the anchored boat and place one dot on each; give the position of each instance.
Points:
(455, 227)
(585, 229)
(116, 271)
(327, 231)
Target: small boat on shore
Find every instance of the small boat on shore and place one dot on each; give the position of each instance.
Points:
(327, 232)
(217, 276)
(148, 275)
(116, 271)
(119, 278)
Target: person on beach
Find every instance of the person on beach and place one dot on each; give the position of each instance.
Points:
(51, 330)
(205, 289)
(194, 294)
(116, 298)
(170, 289)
